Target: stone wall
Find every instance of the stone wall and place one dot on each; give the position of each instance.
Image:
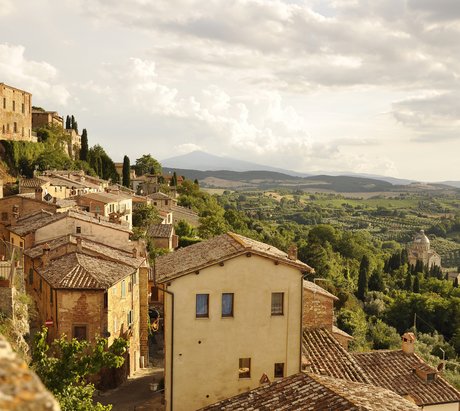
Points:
(15, 114)
(318, 310)
(6, 298)
(20, 388)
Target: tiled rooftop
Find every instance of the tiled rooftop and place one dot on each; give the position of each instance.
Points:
(197, 256)
(124, 256)
(394, 370)
(159, 196)
(326, 356)
(106, 197)
(32, 182)
(81, 271)
(161, 230)
(311, 286)
(311, 392)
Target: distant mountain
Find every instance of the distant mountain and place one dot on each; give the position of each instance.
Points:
(455, 184)
(199, 160)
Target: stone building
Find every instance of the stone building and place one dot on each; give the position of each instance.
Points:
(42, 118)
(420, 250)
(85, 289)
(15, 114)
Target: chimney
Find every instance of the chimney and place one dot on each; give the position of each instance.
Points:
(46, 254)
(54, 200)
(39, 194)
(292, 252)
(408, 343)
(79, 245)
(134, 252)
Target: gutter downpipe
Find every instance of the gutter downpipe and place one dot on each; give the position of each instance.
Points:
(301, 321)
(172, 345)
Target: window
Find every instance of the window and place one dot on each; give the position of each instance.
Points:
(4, 216)
(123, 289)
(244, 369)
(78, 230)
(31, 275)
(51, 296)
(106, 300)
(23, 108)
(202, 305)
(4, 102)
(14, 105)
(15, 127)
(3, 128)
(277, 303)
(21, 244)
(79, 332)
(8, 128)
(129, 317)
(279, 370)
(227, 305)
(130, 287)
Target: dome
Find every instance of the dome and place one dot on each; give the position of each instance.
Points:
(421, 238)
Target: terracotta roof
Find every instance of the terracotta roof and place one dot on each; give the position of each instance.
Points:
(161, 230)
(325, 355)
(81, 271)
(337, 330)
(314, 392)
(91, 247)
(105, 197)
(394, 370)
(159, 196)
(31, 182)
(223, 247)
(309, 285)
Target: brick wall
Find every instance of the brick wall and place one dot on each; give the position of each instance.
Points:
(318, 310)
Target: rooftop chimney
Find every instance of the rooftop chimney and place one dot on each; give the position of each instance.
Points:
(46, 254)
(292, 252)
(134, 252)
(79, 245)
(408, 343)
(39, 194)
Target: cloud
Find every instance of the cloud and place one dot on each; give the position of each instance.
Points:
(38, 77)
(6, 7)
(435, 116)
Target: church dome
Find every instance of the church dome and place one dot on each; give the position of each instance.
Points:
(421, 238)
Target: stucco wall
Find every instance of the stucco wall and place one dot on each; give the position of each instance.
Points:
(207, 350)
(455, 406)
(93, 231)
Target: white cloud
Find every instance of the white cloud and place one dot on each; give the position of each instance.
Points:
(6, 7)
(38, 77)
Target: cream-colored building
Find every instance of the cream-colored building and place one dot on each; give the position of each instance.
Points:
(117, 207)
(233, 314)
(420, 250)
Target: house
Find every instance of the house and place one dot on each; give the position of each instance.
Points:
(162, 201)
(85, 289)
(42, 118)
(118, 207)
(163, 236)
(232, 313)
(405, 373)
(420, 250)
(15, 114)
(311, 392)
(44, 226)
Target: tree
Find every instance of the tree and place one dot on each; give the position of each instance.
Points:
(72, 121)
(144, 216)
(147, 164)
(75, 127)
(102, 164)
(408, 281)
(126, 172)
(65, 365)
(376, 282)
(456, 282)
(363, 277)
(174, 180)
(416, 286)
(68, 124)
(84, 146)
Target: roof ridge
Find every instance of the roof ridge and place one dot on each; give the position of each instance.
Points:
(324, 382)
(238, 239)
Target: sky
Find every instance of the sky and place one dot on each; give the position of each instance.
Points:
(366, 86)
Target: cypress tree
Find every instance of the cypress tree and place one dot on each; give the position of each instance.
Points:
(456, 282)
(376, 281)
(67, 122)
(363, 277)
(196, 182)
(84, 146)
(126, 172)
(75, 127)
(408, 282)
(416, 287)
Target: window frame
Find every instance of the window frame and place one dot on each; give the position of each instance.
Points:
(80, 326)
(241, 366)
(274, 306)
(276, 370)
(202, 315)
(231, 313)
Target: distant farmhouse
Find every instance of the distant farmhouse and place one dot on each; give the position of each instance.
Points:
(420, 250)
